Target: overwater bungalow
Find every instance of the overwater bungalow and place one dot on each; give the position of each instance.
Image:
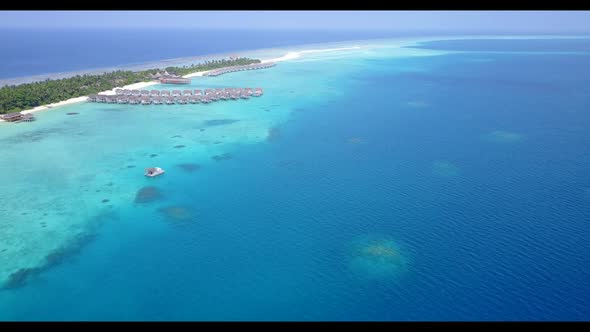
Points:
(118, 91)
(146, 97)
(12, 117)
(122, 99)
(27, 118)
(175, 80)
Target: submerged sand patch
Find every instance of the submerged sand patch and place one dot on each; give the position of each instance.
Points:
(355, 140)
(417, 104)
(445, 168)
(502, 136)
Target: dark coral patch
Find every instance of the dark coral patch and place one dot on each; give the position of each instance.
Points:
(225, 156)
(153, 155)
(189, 167)
(72, 113)
(20, 277)
(176, 136)
(106, 200)
(59, 255)
(273, 134)
(202, 129)
(219, 122)
(289, 164)
(179, 146)
(147, 194)
(131, 166)
(176, 212)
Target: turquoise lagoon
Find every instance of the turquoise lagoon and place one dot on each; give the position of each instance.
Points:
(376, 183)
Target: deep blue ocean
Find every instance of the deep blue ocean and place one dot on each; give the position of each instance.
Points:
(447, 187)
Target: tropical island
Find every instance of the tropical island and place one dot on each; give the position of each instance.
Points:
(15, 98)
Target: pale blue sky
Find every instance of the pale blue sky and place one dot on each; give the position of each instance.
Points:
(508, 21)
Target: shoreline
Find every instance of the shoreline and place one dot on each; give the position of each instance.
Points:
(140, 85)
(295, 54)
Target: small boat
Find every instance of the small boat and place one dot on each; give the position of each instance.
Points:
(153, 171)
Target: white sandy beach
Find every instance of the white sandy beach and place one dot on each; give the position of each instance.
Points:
(142, 85)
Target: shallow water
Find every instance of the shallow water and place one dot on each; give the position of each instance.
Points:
(383, 187)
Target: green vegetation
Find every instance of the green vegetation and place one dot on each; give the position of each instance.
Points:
(16, 98)
(208, 65)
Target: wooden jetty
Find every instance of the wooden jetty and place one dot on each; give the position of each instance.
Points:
(254, 66)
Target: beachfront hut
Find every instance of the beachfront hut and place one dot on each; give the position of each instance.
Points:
(118, 91)
(132, 100)
(92, 98)
(27, 118)
(12, 117)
